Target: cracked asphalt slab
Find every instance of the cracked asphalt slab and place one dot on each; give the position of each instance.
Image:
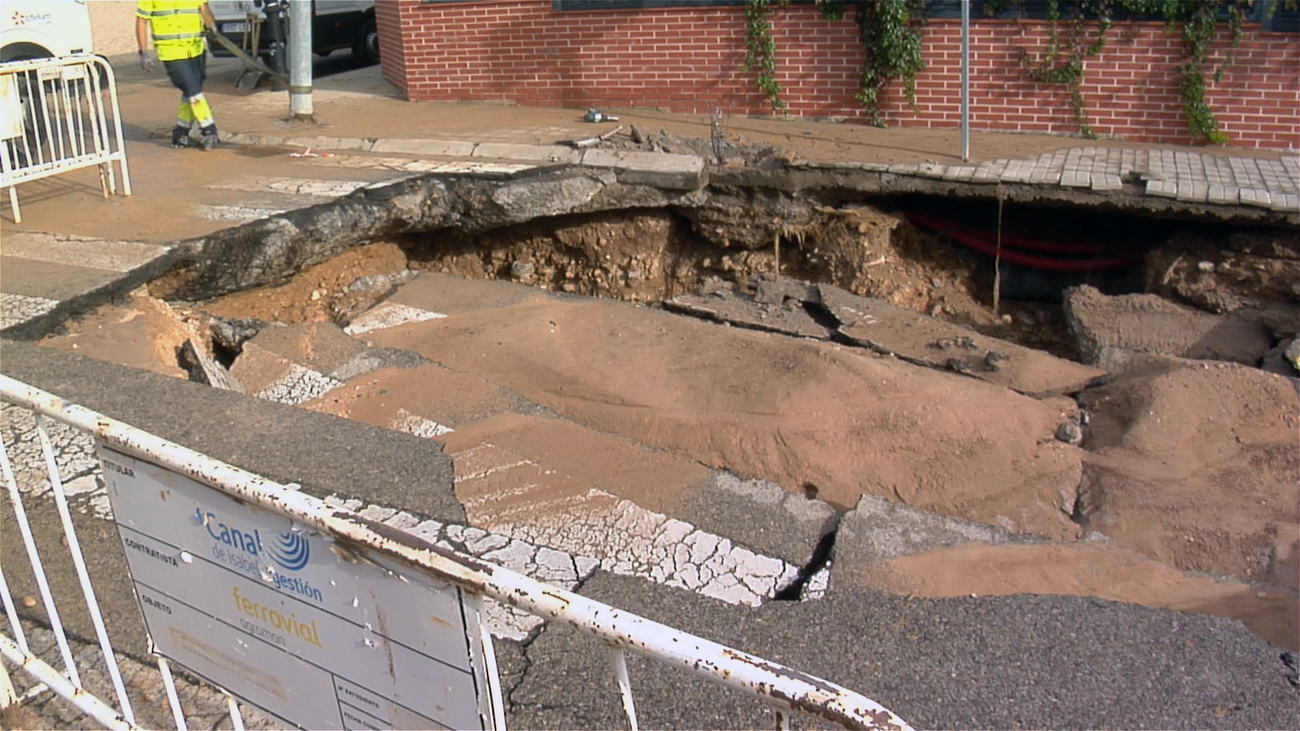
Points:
(938, 663)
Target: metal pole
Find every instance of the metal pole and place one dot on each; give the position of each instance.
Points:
(300, 59)
(965, 80)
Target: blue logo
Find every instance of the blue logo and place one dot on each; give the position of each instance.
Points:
(289, 550)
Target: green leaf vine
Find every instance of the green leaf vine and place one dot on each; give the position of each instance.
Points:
(1062, 60)
(760, 49)
(890, 32)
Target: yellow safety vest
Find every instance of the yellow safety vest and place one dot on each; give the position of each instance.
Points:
(177, 27)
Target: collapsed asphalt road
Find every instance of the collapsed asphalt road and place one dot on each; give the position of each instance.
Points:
(973, 662)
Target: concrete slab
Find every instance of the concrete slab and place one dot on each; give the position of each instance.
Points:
(1076, 179)
(325, 454)
(444, 294)
(1044, 171)
(555, 483)
(878, 530)
(330, 143)
(51, 280)
(1256, 197)
(1107, 182)
(314, 187)
(80, 251)
(1222, 194)
(763, 516)
(236, 214)
(530, 153)
(439, 148)
(789, 317)
(1288, 202)
(48, 277)
(1148, 323)
(1191, 190)
(958, 172)
(1162, 188)
(925, 340)
(989, 172)
(16, 309)
(675, 172)
(932, 170)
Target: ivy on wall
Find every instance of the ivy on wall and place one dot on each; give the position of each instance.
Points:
(1087, 23)
(890, 31)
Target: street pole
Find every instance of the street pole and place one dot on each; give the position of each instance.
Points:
(965, 80)
(300, 105)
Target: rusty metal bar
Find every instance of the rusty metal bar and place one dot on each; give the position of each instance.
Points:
(83, 575)
(169, 684)
(778, 685)
(38, 569)
(85, 702)
(619, 659)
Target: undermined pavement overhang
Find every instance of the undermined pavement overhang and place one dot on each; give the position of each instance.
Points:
(270, 249)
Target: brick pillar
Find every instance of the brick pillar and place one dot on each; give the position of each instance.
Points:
(392, 41)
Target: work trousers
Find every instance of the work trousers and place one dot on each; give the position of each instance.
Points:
(188, 75)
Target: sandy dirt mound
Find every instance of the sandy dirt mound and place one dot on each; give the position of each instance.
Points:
(140, 331)
(1194, 464)
(1086, 570)
(815, 417)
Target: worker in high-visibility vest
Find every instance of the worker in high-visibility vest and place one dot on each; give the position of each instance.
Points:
(177, 28)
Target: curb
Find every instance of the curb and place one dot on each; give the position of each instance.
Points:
(662, 170)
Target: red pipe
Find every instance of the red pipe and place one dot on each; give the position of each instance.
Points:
(986, 243)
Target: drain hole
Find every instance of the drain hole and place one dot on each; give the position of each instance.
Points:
(821, 558)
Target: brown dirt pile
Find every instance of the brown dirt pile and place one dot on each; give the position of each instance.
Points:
(815, 417)
(1194, 464)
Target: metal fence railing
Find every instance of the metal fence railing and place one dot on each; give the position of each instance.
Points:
(402, 558)
(54, 118)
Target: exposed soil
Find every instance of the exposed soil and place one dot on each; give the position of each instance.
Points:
(1177, 481)
(651, 256)
(318, 294)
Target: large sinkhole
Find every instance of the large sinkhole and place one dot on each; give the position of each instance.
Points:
(997, 266)
(886, 359)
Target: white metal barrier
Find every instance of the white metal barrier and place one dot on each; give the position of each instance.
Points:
(369, 541)
(53, 119)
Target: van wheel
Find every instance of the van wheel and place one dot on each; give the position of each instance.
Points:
(366, 51)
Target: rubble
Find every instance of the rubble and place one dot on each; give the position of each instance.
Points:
(1147, 323)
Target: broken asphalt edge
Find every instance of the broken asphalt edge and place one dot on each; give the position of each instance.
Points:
(41, 325)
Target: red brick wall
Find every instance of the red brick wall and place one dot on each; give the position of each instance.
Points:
(688, 60)
(392, 42)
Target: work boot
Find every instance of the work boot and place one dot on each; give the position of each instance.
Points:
(180, 137)
(208, 139)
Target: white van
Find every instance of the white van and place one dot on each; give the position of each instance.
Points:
(44, 29)
(335, 24)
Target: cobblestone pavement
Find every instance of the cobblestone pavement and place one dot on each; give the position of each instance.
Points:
(204, 706)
